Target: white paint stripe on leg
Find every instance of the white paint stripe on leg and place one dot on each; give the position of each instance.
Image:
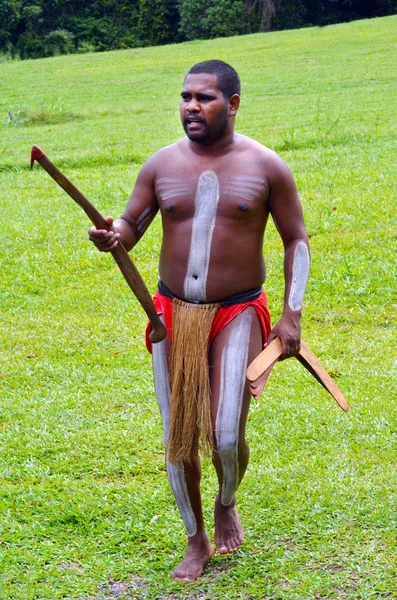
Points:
(206, 203)
(162, 385)
(177, 480)
(233, 367)
(175, 472)
(300, 274)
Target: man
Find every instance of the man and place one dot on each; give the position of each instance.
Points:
(214, 189)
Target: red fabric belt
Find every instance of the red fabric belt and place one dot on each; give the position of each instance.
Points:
(223, 316)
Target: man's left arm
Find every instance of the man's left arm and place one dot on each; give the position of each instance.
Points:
(286, 210)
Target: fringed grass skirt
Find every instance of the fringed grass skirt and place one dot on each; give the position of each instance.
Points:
(190, 422)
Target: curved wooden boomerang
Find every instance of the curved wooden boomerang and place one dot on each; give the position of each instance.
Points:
(259, 370)
(120, 254)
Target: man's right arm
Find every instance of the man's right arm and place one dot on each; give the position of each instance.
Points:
(136, 218)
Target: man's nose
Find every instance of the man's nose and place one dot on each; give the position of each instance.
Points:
(193, 105)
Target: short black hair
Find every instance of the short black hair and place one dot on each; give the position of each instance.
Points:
(228, 79)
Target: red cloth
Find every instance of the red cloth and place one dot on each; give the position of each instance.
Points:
(223, 316)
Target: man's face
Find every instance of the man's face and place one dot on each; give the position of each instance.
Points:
(204, 109)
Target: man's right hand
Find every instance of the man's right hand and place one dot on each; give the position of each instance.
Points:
(105, 241)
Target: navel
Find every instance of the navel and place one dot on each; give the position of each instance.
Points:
(205, 207)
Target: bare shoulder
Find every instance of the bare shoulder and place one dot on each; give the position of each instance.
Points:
(156, 162)
(263, 157)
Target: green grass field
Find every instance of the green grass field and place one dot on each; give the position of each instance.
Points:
(85, 508)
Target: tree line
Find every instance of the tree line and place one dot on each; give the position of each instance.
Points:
(37, 28)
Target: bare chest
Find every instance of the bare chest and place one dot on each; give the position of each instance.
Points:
(209, 194)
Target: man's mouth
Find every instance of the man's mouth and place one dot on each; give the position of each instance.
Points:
(190, 120)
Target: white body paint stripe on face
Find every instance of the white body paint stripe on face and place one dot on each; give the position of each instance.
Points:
(175, 472)
(233, 367)
(206, 203)
(300, 274)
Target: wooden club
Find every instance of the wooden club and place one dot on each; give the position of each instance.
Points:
(120, 255)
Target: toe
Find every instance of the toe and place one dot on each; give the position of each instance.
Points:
(233, 547)
(230, 547)
(185, 576)
(222, 549)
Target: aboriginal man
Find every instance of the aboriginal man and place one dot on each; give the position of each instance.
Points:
(214, 189)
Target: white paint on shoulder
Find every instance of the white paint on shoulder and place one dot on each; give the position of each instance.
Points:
(300, 274)
(206, 202)
(233, 367)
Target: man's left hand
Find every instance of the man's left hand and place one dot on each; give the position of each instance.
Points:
(288, 329)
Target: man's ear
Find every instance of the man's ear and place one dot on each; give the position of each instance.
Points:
(234, 103)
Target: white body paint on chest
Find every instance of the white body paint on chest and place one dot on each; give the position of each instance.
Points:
(300, 274)
(206, 203)
(175, 473)
(171, 187)
(233, 367)
(246, 187)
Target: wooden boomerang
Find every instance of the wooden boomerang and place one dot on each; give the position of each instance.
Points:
(259, 370)
(120, 254)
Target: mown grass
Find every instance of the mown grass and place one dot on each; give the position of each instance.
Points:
(86, 512)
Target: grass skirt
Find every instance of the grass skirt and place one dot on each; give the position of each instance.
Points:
(190, 420)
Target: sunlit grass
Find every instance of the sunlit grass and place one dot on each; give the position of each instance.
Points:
(85, 506)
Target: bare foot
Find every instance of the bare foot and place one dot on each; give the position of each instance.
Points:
(228, 530)
(198, 554)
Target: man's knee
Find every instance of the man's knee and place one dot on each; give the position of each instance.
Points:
(227, 447)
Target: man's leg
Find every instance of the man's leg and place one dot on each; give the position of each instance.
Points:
(230, 353)
(184, 480)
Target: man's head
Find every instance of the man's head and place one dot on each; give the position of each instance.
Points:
(210, 99)
(227, 77)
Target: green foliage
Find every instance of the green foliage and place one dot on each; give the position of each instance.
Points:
(57, 42)
(36, 28)
(9, 16)
(202, 19)
(153, 22)
(291, 15)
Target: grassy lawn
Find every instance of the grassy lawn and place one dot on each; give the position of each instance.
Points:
(85, 508)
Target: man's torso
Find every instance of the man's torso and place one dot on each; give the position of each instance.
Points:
(214, 213)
